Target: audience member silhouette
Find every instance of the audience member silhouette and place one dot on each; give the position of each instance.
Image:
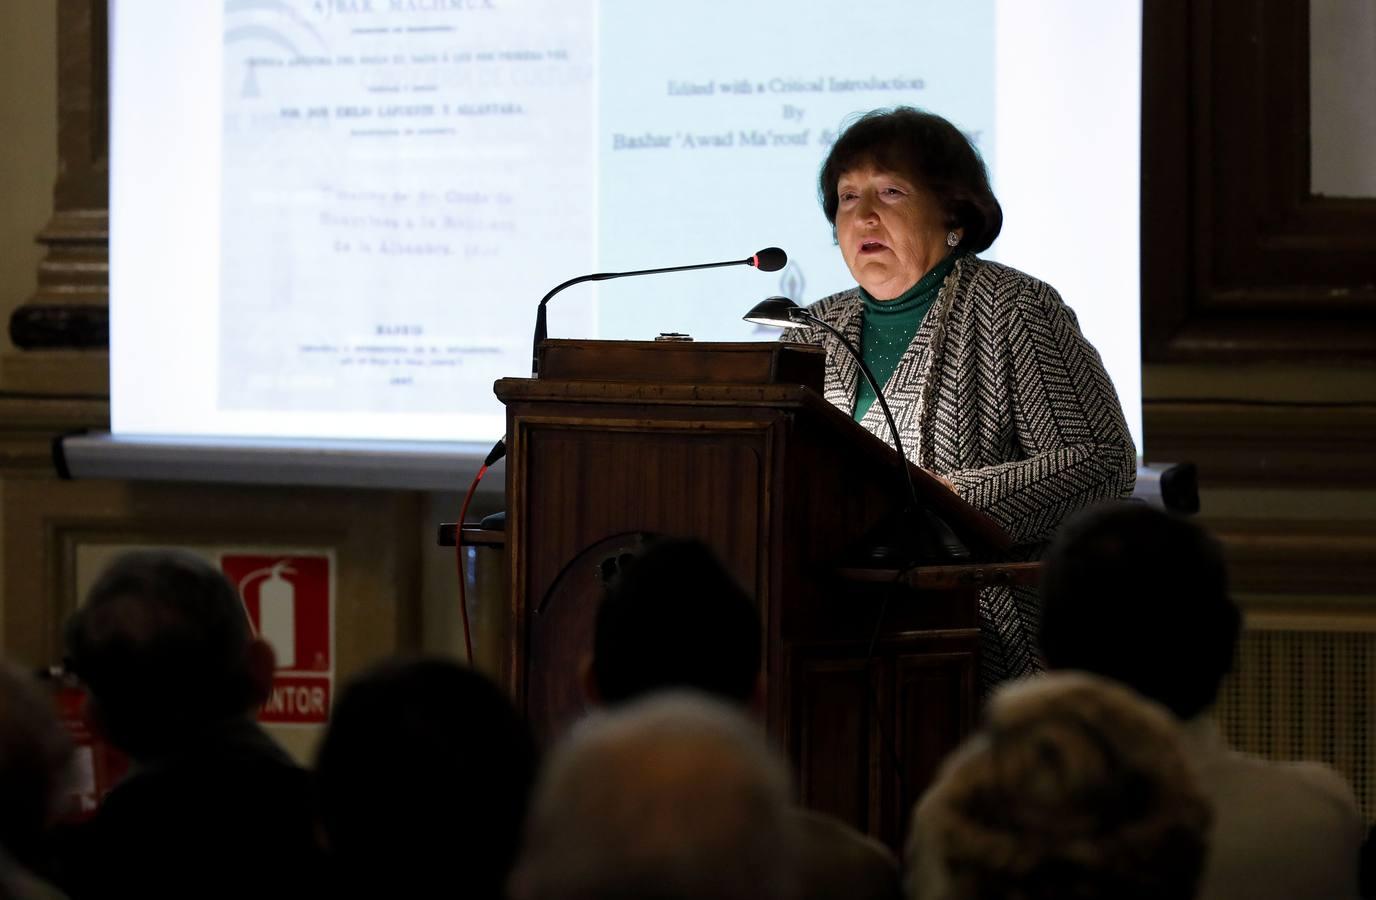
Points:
(212, 806)
(1074, 788)
(1139, 596)
(422, 780)
(675, 619)
(35, 758)
(675, 797)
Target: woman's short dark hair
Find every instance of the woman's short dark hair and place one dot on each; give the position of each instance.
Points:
(929, 151)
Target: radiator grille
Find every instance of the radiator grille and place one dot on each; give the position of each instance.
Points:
(1306, 695)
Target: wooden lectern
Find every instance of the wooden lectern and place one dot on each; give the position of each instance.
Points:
(734, 444)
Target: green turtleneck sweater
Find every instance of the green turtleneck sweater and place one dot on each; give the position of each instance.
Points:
(887, 328)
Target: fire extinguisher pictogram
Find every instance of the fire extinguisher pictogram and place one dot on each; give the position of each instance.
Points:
(276, 610)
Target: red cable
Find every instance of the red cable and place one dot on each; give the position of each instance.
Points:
(458, 561)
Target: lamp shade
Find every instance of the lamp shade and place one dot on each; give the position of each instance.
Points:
(779, 312)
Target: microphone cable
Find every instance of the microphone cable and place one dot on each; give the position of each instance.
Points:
(497, 452)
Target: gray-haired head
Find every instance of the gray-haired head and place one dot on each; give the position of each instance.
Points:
(674, 796)
(1074, 787)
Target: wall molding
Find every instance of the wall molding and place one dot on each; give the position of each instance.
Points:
(29, 423)
(1301, 557)
(1239, 260)
(1266, 444)
(44, 521)
(70, 308)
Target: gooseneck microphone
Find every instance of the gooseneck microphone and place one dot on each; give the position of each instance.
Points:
(770, 259)
(914, 540)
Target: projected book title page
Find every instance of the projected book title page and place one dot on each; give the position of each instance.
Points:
(386, 175)
(402, 180)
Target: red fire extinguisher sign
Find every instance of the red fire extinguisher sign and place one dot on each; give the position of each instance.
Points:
(289, 603)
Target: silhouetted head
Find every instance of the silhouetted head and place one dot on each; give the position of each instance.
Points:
(1140, 596)
(675, 619)
(164, 647)
(423, 778)
(35, 755)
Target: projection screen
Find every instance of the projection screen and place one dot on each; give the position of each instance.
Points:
(334, 218)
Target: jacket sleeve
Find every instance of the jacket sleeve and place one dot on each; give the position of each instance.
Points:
(1068, 425)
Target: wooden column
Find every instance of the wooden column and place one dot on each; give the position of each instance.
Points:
(60, 335)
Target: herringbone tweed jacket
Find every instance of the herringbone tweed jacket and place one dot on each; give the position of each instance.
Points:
(1000, 393)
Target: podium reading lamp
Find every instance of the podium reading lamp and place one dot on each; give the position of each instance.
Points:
(912, 541)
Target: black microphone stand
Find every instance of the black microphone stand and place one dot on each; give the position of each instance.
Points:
(917, 534)
(768, 260)
(914, 534)
(802, 315)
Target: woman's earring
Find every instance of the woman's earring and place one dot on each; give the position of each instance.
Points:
(952, 239)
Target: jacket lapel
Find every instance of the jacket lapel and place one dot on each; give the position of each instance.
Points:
(910, 385)
(910, 388)
(919, 425)
(843, 372)
(902, 390)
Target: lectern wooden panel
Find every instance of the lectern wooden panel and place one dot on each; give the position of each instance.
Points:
(870, 680)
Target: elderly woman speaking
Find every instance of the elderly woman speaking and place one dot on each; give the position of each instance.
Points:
(992, 386)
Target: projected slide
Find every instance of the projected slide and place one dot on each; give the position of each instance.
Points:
(713, 128)
(386, 178)
(335, 218)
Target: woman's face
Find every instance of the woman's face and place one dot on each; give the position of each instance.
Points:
(891, 231)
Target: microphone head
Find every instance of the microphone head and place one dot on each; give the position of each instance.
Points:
(770, 259)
